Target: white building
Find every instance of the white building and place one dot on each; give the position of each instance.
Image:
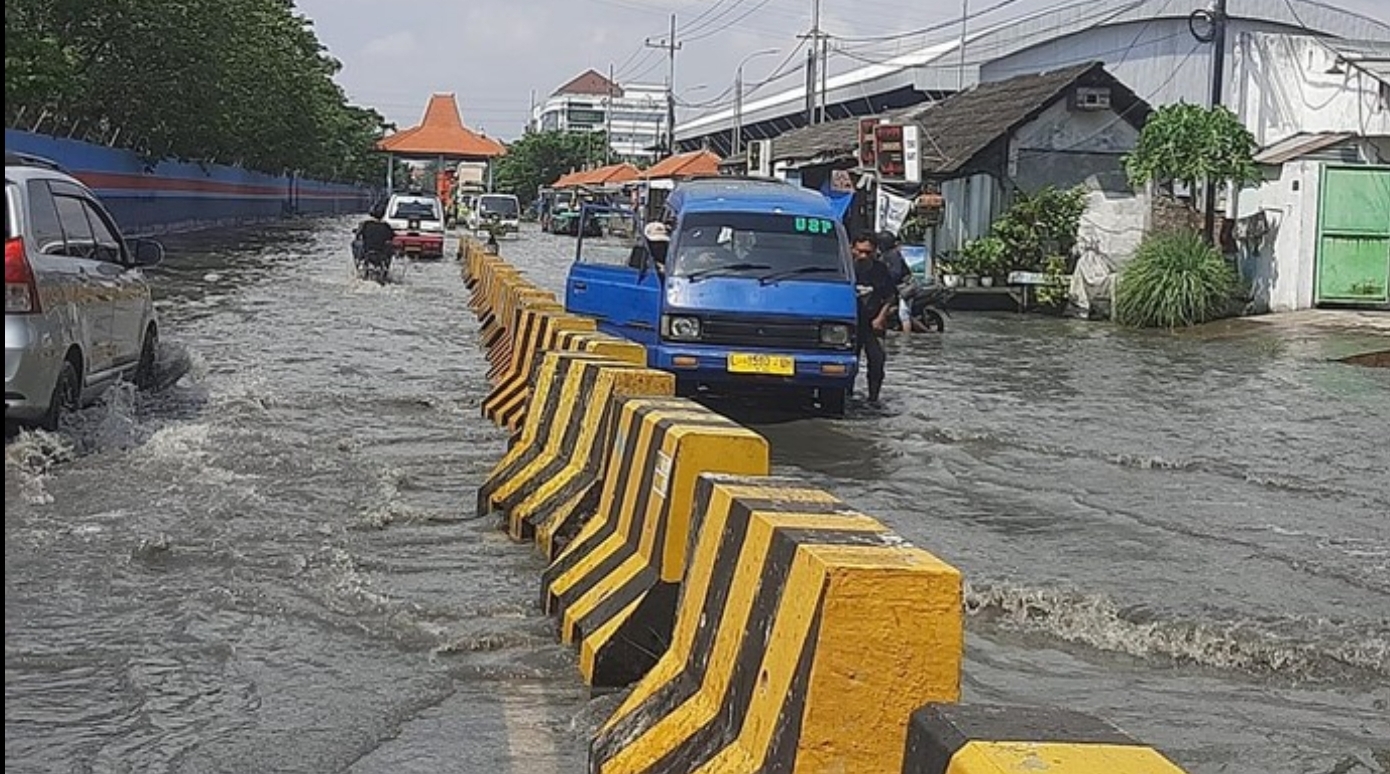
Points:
(633, 115)
(1147, 44)
(1317, 230)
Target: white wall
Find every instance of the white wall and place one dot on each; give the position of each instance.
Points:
(1282, 266)
(1284, 87)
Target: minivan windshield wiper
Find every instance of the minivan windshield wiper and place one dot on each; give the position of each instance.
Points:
(696, 276)
(768, 279)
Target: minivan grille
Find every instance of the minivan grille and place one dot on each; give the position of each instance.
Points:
(769, 332)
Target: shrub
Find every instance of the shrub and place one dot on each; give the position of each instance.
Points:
(1175, 280)
(1039, 226)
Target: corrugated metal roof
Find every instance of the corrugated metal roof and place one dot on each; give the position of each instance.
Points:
(1299, 145)
(1372, 56)
(934, 64)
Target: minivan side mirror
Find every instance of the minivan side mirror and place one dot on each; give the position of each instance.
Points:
(145, 252)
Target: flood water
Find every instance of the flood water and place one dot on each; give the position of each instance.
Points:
(273, 564)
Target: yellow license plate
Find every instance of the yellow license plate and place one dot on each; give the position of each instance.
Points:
(776, 365)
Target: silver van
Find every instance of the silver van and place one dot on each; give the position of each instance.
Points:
(78, 313)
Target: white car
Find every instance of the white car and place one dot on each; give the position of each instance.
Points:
(499, 212)
(78, 314)
(418, 220)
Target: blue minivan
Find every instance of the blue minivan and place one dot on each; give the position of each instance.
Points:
(754, 294)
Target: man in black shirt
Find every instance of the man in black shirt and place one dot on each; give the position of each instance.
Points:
(878, 298)
(377, 237)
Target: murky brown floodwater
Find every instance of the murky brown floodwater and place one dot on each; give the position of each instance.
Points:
(273, 565)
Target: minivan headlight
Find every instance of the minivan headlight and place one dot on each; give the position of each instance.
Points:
(680, 327)
(835, 334)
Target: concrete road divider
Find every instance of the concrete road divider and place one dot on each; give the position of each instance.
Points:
(484, 292)
(572, 433)
(507, 404)
(615, 587)
(502, 348)
(983, 739)
(527, 334)
(498, 339)
(498, 286)
(806, 635)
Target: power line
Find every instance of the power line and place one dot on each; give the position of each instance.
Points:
(712, 32)
(928, 29)
(705, 20)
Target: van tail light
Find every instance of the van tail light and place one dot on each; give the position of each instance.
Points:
(21, 288)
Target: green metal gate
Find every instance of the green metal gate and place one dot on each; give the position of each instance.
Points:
(1353, 260)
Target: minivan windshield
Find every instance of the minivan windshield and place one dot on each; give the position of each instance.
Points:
(763, 245)
(506, 206)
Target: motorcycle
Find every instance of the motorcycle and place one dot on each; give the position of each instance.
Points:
(927, 308)
(371, 267)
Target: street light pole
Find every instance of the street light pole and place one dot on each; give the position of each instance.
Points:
(738, 98)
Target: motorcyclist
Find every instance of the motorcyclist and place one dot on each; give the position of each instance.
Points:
(377, 237)
(891, 254)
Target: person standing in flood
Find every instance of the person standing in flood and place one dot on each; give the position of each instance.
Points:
(878, 298)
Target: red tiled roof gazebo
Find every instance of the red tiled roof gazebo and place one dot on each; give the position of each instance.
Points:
(440, 136)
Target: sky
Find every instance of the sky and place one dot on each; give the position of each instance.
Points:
(493, 54)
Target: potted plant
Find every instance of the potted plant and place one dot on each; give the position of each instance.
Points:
(950, 274)
(982, 258)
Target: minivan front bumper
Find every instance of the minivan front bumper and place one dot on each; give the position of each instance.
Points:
(709, 365)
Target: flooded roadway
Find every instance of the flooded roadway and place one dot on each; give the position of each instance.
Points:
(272, 566)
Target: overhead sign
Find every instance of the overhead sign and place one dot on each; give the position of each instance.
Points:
(899, 152)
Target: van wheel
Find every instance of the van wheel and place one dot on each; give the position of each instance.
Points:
(66, 393)
(149, 360)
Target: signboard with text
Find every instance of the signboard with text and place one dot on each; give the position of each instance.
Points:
(899, 153)
(868, 154)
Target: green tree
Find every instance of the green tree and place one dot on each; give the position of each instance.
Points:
(540, 158)
(1192, 144)
(233, 81)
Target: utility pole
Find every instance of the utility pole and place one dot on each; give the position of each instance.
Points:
(815, 63)
(824, 71)
(964, 20)
(737, 144)
(608, 120)
(671, 47)
(1218, 67)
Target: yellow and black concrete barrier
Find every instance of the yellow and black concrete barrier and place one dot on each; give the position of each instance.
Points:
(614, 587)
(558, 460)
(805, 637)
(532, 337)
(985, 739)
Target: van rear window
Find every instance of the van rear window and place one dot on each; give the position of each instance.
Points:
(505, 206)
(415, 209)
(765, 242)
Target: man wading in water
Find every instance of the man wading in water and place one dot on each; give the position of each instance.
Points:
(877, 299)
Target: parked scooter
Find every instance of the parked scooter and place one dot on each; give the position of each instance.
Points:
(927, 308)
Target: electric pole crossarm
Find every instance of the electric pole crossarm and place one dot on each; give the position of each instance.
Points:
(671, 45)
